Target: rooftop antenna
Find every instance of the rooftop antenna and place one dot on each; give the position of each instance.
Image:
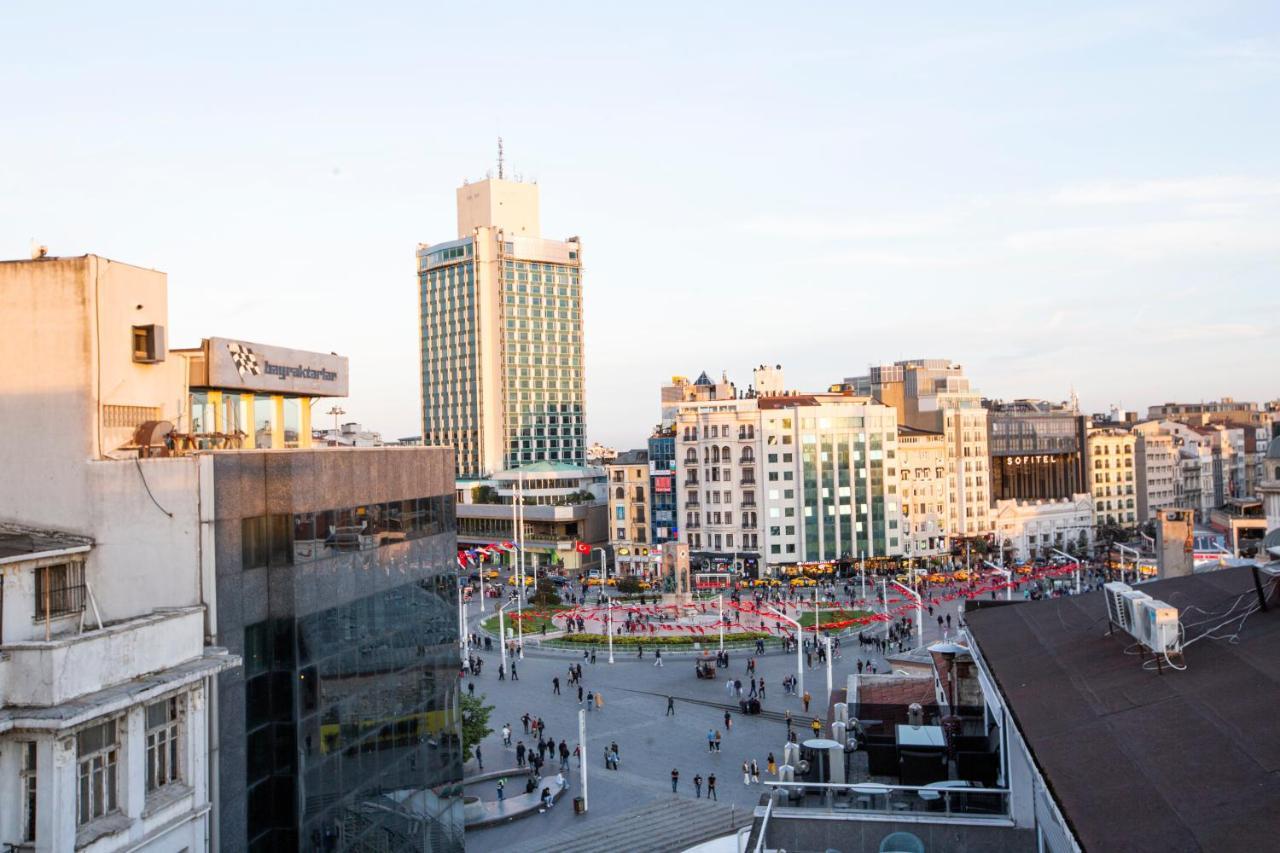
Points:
(499, 158)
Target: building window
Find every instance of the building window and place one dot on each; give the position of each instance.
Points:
(28, 790)
(97, 754)
(163, 721)
(148, 344)
(59, 590)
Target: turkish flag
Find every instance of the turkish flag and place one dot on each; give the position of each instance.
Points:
(582, 547)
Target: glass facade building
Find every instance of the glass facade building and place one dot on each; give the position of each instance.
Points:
(341, 731)
(1036, 455)
(850, 482)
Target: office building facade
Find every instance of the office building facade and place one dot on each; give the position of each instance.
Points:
(662, 485)
(1037, 450)
(212, 536)
(501, 336)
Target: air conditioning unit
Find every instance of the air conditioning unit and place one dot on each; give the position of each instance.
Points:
(1159, 626)
(1115, 604)
(1131, 601)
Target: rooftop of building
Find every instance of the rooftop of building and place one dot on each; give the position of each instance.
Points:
(543, 468)
(1140, 760)
(630, 457)
(20, 542)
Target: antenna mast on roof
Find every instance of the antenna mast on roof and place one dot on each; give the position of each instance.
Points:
(499, 158)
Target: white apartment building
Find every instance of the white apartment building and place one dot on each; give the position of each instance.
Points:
(717, 454)
(923, 479)
(104, 672)
(1029, 529)
(104, 741)
(1158, 472)
(832, 484)
(1113, 476)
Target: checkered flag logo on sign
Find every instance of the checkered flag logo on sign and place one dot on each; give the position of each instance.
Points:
(245, 360)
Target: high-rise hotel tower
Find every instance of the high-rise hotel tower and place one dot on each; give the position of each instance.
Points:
(501, 328)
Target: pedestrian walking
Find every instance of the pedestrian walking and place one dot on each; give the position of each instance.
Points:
(599, 701)
(591, 700)
(675, 779)
(471, 688)
(771, 765)
(711, 787)
(525, 719)
(520, 750)
(816, 726)
(806, 699)
(746, 773)
(755, 772)
(762, 689)
(555, 686)
(728, 721)
(506, 734)
(717, 740)
(579, 694)
(479, 760)
(515, 676)
(697, 786)
(657, 657)
(502, 783)
(671, 706)
(501, 675)
(711, 741)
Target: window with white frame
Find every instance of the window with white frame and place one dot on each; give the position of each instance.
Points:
(97, 757)
(28, 791)
(164, 722)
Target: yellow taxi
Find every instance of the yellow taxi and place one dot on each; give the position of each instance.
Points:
(803, 582)
(514, 580)
(489, 574)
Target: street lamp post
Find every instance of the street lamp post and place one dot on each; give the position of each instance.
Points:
(609, 625)
(828, 670)
(582, 753)
(1065, 555)
(462, 624)
(1008, 575)
(604, 565)
(502, 633)
(1137, 569)
(720, 621)
(520, 578)
(862, 570)
(482, 571)
(799, 653)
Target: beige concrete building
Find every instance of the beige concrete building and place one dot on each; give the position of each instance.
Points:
(935, 395)
(630, 510)
(1113, 474)
(922, 472)
(1158, 472)
(500, 312)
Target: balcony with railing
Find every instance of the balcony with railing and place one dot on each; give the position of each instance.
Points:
(939, 800)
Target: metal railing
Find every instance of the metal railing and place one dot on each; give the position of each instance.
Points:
(876, 798)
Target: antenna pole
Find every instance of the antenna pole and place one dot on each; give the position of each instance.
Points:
(499, 158)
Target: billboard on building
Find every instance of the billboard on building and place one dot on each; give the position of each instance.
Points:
(241, 365)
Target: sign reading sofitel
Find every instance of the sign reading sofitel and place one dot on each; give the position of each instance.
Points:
(257, 367)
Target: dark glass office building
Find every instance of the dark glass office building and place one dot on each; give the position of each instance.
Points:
(336, 582)
(1037, 451)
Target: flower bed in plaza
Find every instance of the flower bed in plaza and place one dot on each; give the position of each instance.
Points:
(835, 619)
(678, 640)
(534, 618)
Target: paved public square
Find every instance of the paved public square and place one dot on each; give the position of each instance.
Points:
(650, 743)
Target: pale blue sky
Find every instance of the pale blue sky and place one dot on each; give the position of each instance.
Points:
(1048, 193)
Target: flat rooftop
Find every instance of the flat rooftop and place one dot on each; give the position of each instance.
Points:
(1179, 761)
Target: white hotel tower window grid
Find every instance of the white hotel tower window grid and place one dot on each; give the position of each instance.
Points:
(542, 360)
(451, 391)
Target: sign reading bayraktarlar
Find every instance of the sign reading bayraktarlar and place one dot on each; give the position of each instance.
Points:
(268, 369)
